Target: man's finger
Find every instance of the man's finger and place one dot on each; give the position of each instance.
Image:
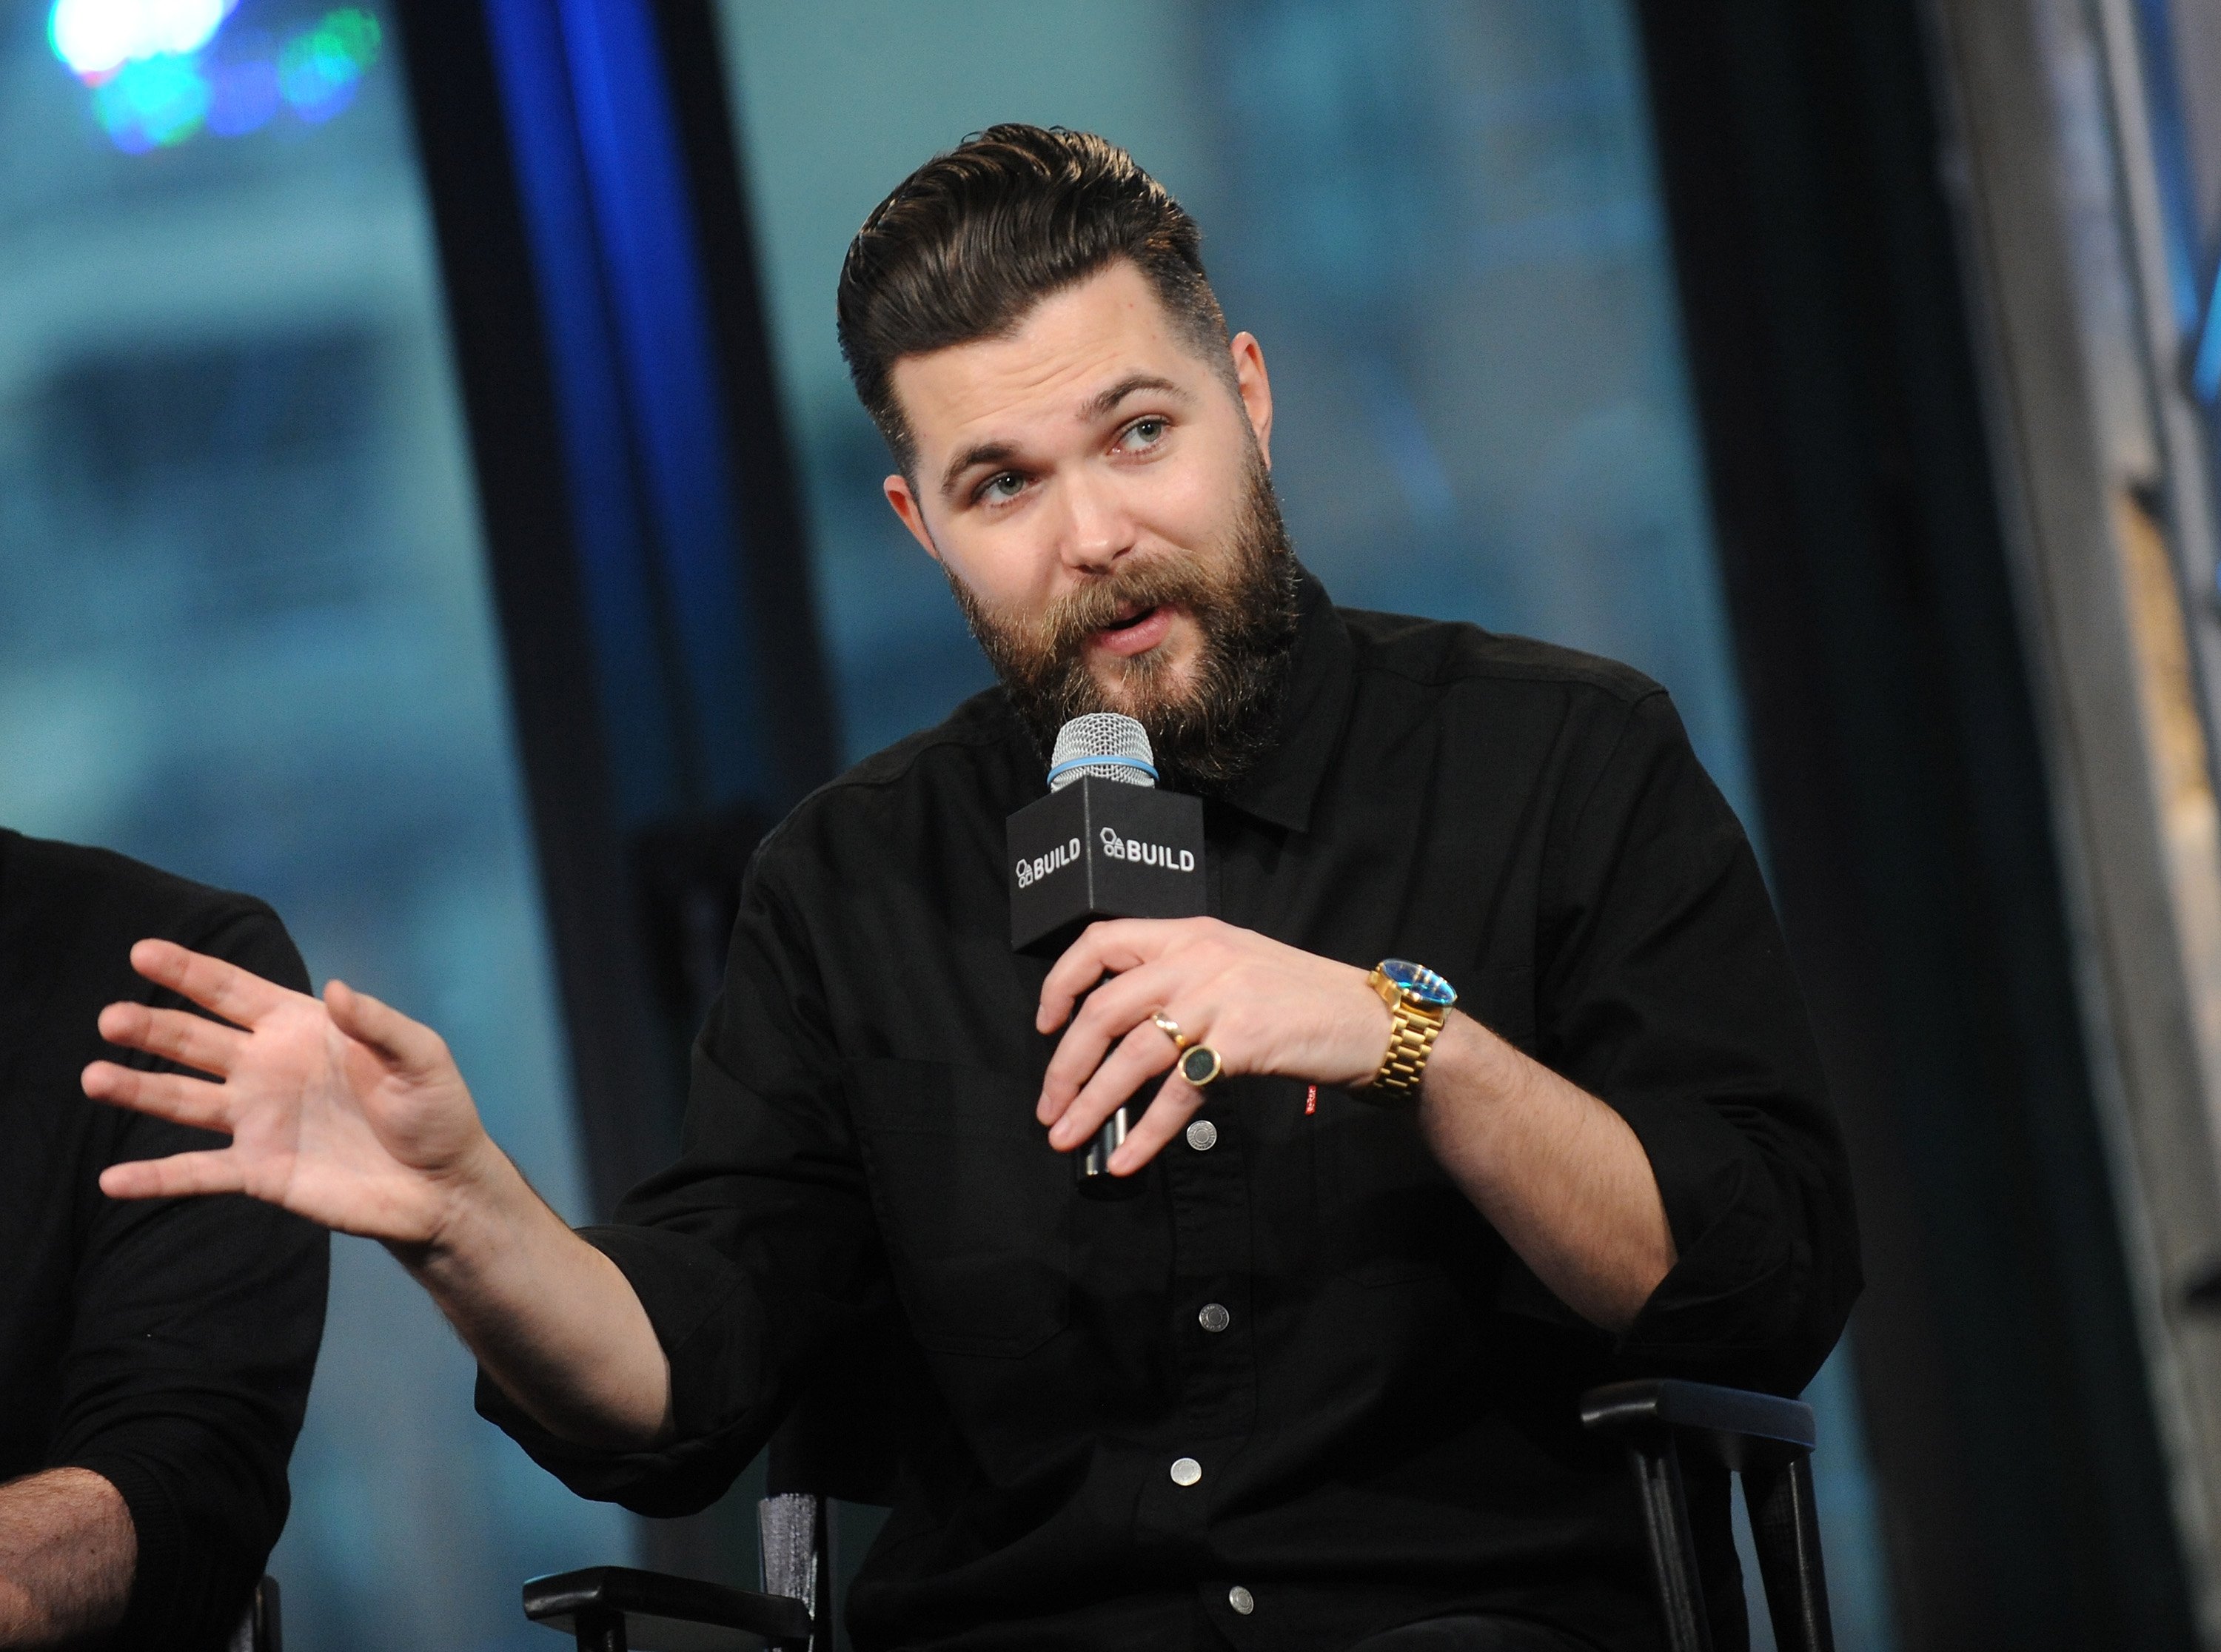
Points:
(175, 1177)
(409, 1047)
(1109, 946)
(234, 993)
(1114, 1009)
(1177, 1102)
(1140, 1057)
(181, 1101)
(190, 1040)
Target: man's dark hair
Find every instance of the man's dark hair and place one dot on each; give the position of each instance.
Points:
(971, 242)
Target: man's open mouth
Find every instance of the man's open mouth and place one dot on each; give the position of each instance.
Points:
(1134, 633)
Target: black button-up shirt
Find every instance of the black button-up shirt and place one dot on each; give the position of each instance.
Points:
(1386, 1424)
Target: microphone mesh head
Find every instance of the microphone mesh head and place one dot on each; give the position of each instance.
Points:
(1102, 735)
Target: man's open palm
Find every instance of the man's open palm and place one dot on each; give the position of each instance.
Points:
(341, 1110)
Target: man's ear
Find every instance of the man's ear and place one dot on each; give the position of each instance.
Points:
(907, 506)
(1255, 389)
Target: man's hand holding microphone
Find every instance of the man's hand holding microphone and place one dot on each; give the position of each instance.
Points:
(1178, 985)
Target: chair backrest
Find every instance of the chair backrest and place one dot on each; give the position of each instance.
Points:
(794, 1537)
(260, 1628)
(842, 1442)
(1765, 1439)
(799, 1539)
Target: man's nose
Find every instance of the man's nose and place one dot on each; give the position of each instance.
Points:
(1097, 530)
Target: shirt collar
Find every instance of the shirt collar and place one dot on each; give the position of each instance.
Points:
(1282, 784)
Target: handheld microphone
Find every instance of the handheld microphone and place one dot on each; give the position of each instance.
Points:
(1105, 842)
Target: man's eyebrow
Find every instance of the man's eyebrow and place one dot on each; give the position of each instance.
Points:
(985, 453)
(1096, 407)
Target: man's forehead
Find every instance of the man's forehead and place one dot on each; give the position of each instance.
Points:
(1057, 364)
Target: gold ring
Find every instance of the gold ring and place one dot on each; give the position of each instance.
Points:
(1200, 1066)
(1170, 1028)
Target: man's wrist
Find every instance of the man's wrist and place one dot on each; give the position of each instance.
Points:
(68, 1553)
(1418, 1000)
(1380, 1024)
(484, 1202)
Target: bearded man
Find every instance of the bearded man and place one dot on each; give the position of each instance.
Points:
(1314, 1387)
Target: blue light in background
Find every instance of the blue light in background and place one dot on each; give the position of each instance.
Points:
(152, 102)
(243, 84)
(319, 69)
(2205, 369)
(162, 70)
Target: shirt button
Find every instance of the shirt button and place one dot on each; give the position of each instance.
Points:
(1186, 1471)
(1202, 1135)
(1242, 1600)
(1214, 1316)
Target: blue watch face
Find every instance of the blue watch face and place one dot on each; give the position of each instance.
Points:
(1420, 981)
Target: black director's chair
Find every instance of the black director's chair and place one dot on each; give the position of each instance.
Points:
(619, 1609)
(1766, 1440)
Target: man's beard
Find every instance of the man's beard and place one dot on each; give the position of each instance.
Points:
(1207, 731)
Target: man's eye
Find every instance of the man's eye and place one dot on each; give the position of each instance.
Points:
(1144, 433)
(1002, 488)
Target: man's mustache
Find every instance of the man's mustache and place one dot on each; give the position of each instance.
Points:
(1077, 615)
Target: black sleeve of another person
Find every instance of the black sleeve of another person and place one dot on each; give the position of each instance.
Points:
(196, 1329)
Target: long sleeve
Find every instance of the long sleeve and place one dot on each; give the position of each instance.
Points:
(1667, 991)
(754, 1250)
(195, 1334)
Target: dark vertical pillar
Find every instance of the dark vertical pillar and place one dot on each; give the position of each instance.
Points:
(801, 724)
(1907, 810)
(618, 1064)
(647, 552)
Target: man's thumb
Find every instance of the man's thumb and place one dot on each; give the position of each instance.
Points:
(409, 1047)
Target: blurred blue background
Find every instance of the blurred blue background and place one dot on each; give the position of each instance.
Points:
(245, 635)
(245, 629)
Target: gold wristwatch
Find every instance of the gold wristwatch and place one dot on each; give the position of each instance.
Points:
(1418, 1000)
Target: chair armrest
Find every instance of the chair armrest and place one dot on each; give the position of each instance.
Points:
(1621, 1408)
(659, 1609)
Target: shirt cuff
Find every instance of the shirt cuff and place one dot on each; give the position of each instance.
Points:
(1730, 1302)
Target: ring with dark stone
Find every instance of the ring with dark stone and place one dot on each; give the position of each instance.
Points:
(1199, 1065)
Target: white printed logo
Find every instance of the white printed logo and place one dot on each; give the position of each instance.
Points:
(1148, 854)
(1031, 872)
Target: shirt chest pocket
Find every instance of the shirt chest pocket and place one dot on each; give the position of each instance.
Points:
(975, 1205)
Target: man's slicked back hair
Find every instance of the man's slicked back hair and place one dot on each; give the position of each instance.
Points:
(971, 242)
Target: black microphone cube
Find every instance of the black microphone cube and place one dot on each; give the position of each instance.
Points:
(1103, 849)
